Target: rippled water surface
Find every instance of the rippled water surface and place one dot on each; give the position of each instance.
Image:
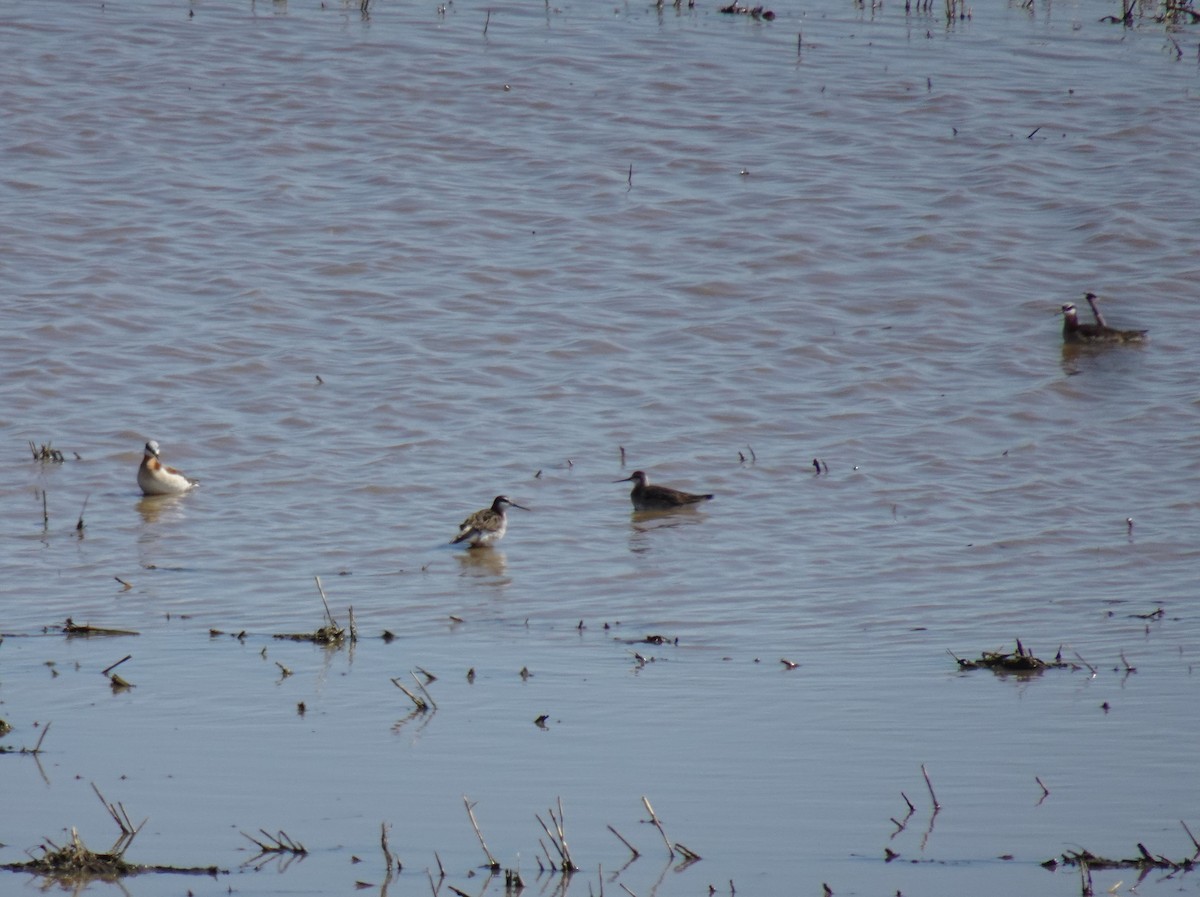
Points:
(359, 271)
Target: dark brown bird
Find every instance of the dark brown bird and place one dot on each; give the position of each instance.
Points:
(1100, 332)
(646, 497)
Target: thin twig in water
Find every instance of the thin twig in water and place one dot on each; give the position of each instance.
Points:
(383, 843)
(492, 862)
(279, 843)
(657, 823)
(1181, 822)
(428, 697)
(620, 838)
(929, 784)
(328, 616)
(418, 702)
(1091, 668)
(37, 748)
(117, 664)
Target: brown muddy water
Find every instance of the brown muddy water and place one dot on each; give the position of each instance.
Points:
(361, 271)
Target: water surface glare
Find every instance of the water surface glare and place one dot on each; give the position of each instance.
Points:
(361, 269)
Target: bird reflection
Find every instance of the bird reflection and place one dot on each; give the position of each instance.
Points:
(160, 508)
(643, 523)
(491, 563)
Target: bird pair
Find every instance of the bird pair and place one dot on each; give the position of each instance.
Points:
(1100, 332)
(489, 525)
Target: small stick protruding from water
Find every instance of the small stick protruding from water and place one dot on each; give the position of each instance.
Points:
(79, 525)
(117, 664)
(929, 785)
(487, 20)
(383, 843)
(492, 863)
(418, 701)
(1091, 668)
(45, 512)
(621, 447)
(324, 601)
(37, 748)
(630, 182)
(1181, 822)
(633, 850)
(657, 823)
(1042, 785)
(687, 853)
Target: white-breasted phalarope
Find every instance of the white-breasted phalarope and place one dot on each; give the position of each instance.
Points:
(646, 497)
(488, 525)
(156, 478)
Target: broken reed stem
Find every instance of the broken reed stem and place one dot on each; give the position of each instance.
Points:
(1045, 790)
(424, 691)
(79, 525)
(687, 853)
(279, 843)
(115, 665)
(558, 839)
(328, 616)
(550, 864)
(492, 862)
(657, 823)
(1091, 668)
(37, 749)
(1181, 822)
(560, 827)
(124, 823)
(418, 702)
(383, 843)
(45, 512)
(353, 626)
(929, 785)
(911, 808)
(633, 850)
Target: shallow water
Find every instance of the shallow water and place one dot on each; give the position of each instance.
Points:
(359, 274)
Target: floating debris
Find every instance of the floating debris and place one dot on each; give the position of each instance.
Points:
(72, 629)
(74, 864)
(331, 634)
(1018, 661)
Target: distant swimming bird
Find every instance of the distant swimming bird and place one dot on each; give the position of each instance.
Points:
(1074, 332)
(487, 526)
(156, 478)
(646, 497)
